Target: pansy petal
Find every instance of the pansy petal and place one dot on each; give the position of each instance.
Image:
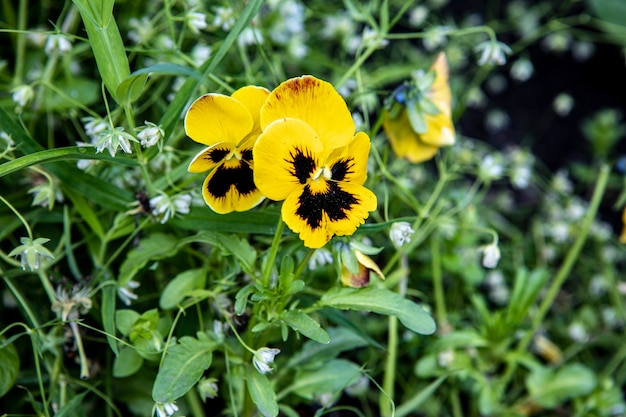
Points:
(317, 103)
(286, 154)
(439, 92)
(209, 157)
(351, 165)
(439, 132)
(252, 97)
(405, 142)
(318, 214)
(215, 118)
(230, 187)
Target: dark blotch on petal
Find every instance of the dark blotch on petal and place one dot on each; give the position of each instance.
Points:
(340, 169)
(335, 202)
(303, 165)
(246, 155)
(240, 177)
(215, 155)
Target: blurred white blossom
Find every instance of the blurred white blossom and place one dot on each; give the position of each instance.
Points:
(263, 358)
(126, 293)
(196, 21)
(522, 70)
(57, 44)
(69, 306)
(22, 94)
(400, 233)
(492, 52)
(32, 252)
(224, 18)
(491, 255)
(114, 138)
(563, 104)
(150, 134)
(165, 409)
(166, 207)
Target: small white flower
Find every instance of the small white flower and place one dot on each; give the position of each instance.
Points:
(520, 176)
(319, 258)
(23, 94)
(340, 26)
(150, 134)
(207, 388)
(32, 252)
(94, 127)
(418, 16)
(263, 358)
(522, 70)
(496, 121)
(196, 21)
(490, 168)
(561, 182)
(436, 37)
(492, 52)
(250, 36)
(126, 293)
(582, 50)
(166, 409)
(491, 255)
(166, 207)
(445, 358)
(57, 44)
(370, 38)
(557, 42)
(577, 332)
(563, 104)
(45, 195)
(6, 140)
(200, 53)
(112, 139)
(142, 30)
(400, 233)
(224, 18)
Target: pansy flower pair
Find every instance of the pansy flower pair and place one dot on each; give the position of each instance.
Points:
(297, 144)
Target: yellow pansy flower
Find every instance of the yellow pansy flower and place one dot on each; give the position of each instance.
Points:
(310, 156)
(229, 126)
(419, 118)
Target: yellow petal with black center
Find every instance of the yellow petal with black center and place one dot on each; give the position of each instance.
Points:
(215, 118)
(210, 157)
(351, 165)
(230, 187)
(286, 155)
(405, 143)
(252, 97)
(317, 213)
(317, 103)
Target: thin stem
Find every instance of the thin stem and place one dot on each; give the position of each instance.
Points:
(564, 271)
(84, 363)
(194, 403)
(20, 50)
(19, 216)
(440, 302)
(269, 265)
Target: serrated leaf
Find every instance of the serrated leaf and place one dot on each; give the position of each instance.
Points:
(182, 286)
(182, 368)
(9, 367)
(381, 301)
(262, 393)
(127, 363)
(331, 377)
(305, 325)
(341, 340)
(154, 247)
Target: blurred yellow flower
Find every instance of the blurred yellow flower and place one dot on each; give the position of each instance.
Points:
(419, 115)
(362, 277)
(622, 237)
(229, 126)
(310, 156)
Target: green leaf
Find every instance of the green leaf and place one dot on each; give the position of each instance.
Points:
(415, 402)
(241, 299)
(182, 368)
(416, 118)
(613, 11)
(305, 325)
(524, 295)
(181, 286)
(131, 88)
(262, 393)
(124, 320)
(230, 245)
(127, 363)
(86, 212)
(550, 388)
(154, 247)
(68, 94)
(108, 315)
(9, 367)
(381, 301)
(258, 222)
(106, 43)
(70, 409)
(340, 340)
(331, 377)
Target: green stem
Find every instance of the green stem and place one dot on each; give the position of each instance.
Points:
(563, 273)
(194, 403)
(389, 379)
(440, 302)
(19, 216)
(269, 264)
(20, 49)
(84, 363)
